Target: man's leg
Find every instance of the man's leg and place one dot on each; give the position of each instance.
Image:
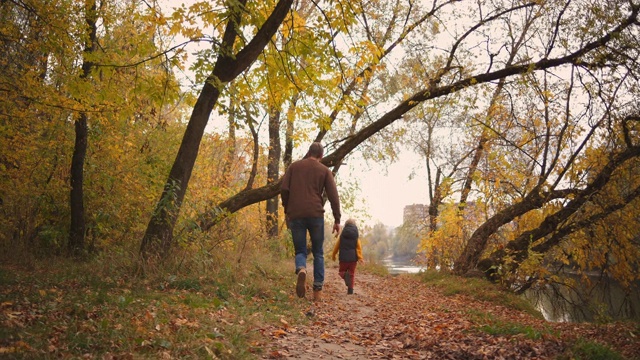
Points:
(316, 231)
(299, 236)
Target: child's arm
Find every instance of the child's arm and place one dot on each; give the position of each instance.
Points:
(359, 251)
(336, 248)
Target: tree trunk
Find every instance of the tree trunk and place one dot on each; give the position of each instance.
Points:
(76, 198)
(231, 140)
(484, 137)
(256, 148)
(273, 172)
(478, 240)
(435, 202)
(288, 137)
(76, 245)
(468, 180)
(158, 238)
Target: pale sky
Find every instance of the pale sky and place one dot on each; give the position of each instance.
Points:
(385, 193)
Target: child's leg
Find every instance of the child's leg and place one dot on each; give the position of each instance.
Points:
(352, 273)
(342, 269)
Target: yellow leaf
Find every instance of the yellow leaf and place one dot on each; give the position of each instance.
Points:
(7, 350)
(285, 323)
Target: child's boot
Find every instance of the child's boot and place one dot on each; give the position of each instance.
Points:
(350, 291)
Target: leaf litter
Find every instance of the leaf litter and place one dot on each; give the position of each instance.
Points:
(387, 318)
(403, 318)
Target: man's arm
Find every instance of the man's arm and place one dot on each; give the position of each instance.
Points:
(284, 190)
(336, 248)
(334, 199)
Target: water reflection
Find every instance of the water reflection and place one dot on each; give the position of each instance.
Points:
(604, 300)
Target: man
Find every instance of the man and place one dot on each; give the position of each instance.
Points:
(302, 187)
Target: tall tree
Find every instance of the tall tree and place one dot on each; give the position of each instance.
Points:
(76, 198)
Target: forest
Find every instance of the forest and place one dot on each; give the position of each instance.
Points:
(161, 130)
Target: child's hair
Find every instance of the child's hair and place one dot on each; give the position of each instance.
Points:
(350, 222)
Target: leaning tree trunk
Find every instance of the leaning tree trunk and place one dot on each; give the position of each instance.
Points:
(76, 245)
(520, 248)
(158, 238)
(478, 240)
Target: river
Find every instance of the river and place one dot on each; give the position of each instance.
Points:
(396, 267)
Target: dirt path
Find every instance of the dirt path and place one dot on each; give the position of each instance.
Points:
(401, 318)
(334, 331)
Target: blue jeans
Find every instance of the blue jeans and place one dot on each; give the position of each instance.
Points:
(299, 228)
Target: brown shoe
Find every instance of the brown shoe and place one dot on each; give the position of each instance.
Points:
(317, 295)
(301, 283)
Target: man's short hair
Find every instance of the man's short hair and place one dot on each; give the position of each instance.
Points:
(316, 150)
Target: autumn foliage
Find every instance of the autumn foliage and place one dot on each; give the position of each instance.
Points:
(161, 132)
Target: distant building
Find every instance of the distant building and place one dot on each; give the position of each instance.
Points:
(415, 214)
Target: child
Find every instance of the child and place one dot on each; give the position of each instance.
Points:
(350, 249)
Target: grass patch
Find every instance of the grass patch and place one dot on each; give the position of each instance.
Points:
(511, 329)
(491, 325)
(185, 284)
(374, 268)
(479, 289)
(588, 350)
(7, 277)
